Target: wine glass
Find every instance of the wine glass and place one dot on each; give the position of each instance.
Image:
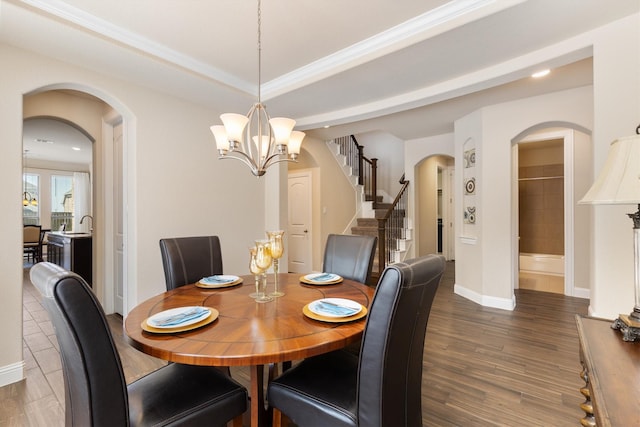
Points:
(263, 261)
(255, 270)
(277, 249)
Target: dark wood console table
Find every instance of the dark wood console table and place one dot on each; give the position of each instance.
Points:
(611, 371)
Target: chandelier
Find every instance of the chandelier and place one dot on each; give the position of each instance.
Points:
(256, 139)
(27, 199)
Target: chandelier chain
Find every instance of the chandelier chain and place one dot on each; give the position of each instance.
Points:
(259, 51)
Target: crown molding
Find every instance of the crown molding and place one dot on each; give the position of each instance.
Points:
(450, 15)
(559, 54)
(106, 29)
(422, 27)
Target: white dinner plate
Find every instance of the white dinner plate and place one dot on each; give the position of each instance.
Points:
(322, 277)
(219, 279)
(335, 307)
(157, 319)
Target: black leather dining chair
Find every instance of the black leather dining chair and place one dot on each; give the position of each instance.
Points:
(350, 256)
(381, 387)
(189, 259)
(96, 393)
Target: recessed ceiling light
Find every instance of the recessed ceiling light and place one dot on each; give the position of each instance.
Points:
(327, 126)
(540, 73)
(75, 148)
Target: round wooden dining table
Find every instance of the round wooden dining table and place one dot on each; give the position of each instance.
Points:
(248, 333)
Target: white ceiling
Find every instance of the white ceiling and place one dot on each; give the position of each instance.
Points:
(54, 140)
(407, 67)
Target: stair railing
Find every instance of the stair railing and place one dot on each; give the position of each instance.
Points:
(361, 166)
(391, 227)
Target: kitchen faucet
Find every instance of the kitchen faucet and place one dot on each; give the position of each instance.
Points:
(91, 218)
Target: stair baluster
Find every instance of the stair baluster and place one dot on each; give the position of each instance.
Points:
(390, 226)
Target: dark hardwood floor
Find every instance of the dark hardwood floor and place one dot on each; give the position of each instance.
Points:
(482, 366)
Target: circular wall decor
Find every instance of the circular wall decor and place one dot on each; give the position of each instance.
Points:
(469, 158)
(470, 186)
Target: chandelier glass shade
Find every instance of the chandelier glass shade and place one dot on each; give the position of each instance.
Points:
(27, 198)
(256, 139)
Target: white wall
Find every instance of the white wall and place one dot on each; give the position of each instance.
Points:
(469, 254)
(334, 200)
(611, 108)
(174, 184)
(616, 70)
(494, 128)
(389, 150)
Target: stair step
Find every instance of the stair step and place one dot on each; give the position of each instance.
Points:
(367, 222)
(379, 199)
(364, 231)
(379, 213)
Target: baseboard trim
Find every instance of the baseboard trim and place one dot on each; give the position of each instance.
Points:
(582, 293)
(13, 373)
(485, 300)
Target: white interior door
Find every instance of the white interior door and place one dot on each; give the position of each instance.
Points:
(118, 298)
(299, 227)
(448, 210)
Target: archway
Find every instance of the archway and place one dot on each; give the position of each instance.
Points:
(97, 114)
(434, 177)
(556, 172)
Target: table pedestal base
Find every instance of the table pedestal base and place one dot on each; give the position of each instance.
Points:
(261, 413)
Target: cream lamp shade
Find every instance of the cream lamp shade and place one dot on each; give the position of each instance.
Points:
(619, 179)
(619, 183)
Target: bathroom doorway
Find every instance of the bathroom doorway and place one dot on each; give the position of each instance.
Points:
(552, 240)
(541, 215)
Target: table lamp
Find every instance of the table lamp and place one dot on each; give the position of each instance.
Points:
(619, 183)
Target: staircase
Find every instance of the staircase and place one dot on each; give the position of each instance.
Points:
(387, 221)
